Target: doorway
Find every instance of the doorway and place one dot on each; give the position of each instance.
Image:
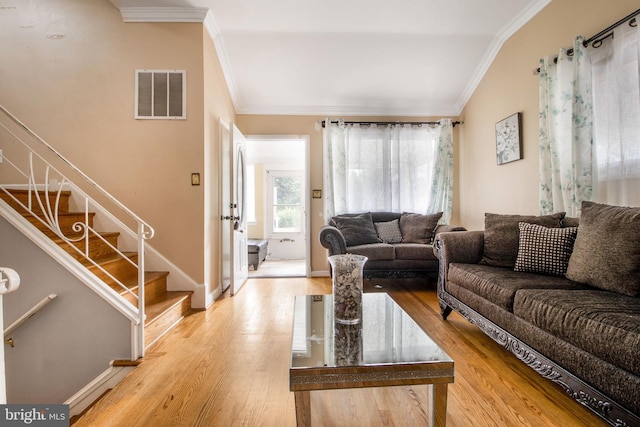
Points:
(277, 205)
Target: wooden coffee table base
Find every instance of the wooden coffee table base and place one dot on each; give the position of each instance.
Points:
(439, 405)
(438, 374)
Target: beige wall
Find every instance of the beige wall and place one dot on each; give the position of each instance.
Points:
(77, 92)
(508, 87)
(305, 125)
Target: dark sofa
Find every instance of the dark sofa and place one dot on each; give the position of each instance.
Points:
(564, 299)
(397, 245)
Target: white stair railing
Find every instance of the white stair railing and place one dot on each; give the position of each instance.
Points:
(27, 163)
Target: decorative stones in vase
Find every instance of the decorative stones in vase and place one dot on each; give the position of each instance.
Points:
(347, 344)
(347, 287)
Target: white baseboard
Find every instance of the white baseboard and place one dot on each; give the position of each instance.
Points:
(320, 273)
(96, 388)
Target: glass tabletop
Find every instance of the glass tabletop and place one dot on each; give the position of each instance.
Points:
(386, 335)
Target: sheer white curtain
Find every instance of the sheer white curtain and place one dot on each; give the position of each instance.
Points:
(590, 124)
(616, 100)
(387, 168)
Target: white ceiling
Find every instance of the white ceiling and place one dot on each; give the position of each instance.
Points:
(356, 57)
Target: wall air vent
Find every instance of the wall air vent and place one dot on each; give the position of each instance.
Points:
(161, 94)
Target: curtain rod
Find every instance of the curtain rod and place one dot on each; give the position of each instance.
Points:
(387, 123)
(596, 41)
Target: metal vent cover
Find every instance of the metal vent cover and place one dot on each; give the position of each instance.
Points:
(161, 94)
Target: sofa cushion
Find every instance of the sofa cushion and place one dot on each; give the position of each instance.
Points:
(373, 251)
(501, 236)
(569, 221)
(418, 228)
(414, 251)
(499, 285)
(382, 216)
(545, 250)
(356, 229)
(607, 250)
(589, 319)
(389, 231)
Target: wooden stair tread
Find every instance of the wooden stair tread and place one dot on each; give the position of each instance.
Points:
(172, 298)
(131, 283)
(104, 234)
(111, 258)
(149, 276)
(22, 191)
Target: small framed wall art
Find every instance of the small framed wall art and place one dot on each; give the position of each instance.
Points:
(509, 139)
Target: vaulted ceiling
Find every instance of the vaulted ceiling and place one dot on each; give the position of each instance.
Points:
(355, 57)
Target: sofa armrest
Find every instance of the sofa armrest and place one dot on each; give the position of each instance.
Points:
(331, 238)
(459, 246)
(445, 228)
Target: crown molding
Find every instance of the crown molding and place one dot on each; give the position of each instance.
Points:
(417, 110)
(163, 14)
(211, 27)
(510, 29)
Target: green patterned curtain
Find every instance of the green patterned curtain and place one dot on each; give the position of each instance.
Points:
(442, 182)
(566, 131)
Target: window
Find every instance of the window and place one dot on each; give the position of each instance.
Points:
(161, 94)
(286, 191)
(394, 168)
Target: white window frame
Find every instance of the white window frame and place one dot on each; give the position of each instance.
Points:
(271, 175)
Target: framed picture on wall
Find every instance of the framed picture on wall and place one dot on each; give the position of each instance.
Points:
(509, 139)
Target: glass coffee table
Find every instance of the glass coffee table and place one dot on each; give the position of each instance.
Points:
(387, 348)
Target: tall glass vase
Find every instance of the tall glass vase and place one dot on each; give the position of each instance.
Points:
(347, 287)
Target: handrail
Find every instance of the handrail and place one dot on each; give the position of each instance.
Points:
(45, 185)
(33, 310)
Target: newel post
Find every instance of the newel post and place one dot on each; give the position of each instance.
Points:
(9, 282)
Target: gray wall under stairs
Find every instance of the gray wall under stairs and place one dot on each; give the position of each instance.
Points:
(70, 341)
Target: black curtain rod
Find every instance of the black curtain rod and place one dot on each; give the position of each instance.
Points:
(388, 123)
(596, 41)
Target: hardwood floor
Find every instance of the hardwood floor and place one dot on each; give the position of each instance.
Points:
(228, 366)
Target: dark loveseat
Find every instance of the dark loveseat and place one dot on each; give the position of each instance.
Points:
(565, 300)
(397, 245)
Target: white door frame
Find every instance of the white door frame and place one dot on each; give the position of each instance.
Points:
(306, 140)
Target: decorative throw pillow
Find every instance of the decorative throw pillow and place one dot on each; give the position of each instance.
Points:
(418, 228)
(389, 231)
(607, 250)
(501, 236)
(545, 250)
(357, 229)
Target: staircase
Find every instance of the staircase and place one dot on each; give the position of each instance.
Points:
(117, 268)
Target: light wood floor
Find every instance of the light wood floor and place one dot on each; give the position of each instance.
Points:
(228, 366)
